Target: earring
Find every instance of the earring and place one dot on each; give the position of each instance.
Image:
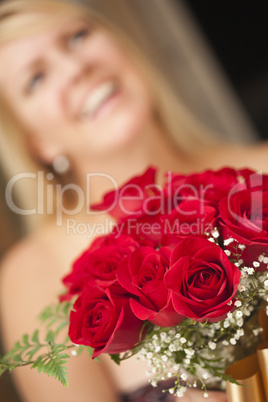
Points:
(61, 165)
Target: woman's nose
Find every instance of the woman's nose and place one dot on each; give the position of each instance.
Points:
(70, 68)
(72, 74)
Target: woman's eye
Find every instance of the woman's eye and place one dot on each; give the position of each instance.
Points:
(34, 82)
(78, 36)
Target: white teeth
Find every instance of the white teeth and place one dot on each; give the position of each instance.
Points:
(98, 97)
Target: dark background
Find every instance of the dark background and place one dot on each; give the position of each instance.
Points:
(238, 34)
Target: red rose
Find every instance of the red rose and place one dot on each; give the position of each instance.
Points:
(103, 320)
(209, 185)
(191, 217)
(145, 229)
(245, 218)
(141, 274)
(97, 266)
(202, 280)
(131, 198)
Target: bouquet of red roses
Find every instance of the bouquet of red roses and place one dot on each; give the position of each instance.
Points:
(179, 278)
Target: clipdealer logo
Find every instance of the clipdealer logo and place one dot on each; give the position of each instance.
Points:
(50, 196)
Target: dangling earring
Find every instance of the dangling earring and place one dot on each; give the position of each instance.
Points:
(61, 165)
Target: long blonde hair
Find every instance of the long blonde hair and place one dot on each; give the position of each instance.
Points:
(118, 17)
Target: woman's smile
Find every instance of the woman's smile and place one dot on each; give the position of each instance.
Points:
(100, 100)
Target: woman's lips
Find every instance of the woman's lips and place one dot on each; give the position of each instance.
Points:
(99, 98)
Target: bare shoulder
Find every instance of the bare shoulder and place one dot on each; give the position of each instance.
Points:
(253, 156)
(30, 280)
(26, 285)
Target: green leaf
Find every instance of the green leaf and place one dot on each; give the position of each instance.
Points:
(60, 327)
(61, 375)
(3, 368)
(229, 378)
(116, 358)
(54, 368)
(25, 340)
(32, 352)
(66, 308)
(35, 337)
(39, 361)
(46, 314)
(90, 351)
(80, 349)
(52, 322)
(50, 338)
(39, 366)
(18, 358)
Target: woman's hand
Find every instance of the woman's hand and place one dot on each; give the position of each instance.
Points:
(193, 395)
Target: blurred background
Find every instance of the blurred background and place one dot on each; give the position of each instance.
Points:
(237, 32)
(218, 51)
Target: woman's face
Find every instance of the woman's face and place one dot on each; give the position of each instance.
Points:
(75, 90)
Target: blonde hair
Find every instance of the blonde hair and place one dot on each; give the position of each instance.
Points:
(118, 17)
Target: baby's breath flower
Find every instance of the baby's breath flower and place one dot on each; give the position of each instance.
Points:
(260, 258)
(238, 303)
(240, 322)
(184, 376)
(256, 331)
(190, 352)
(180, 393)
(228, 241)
(212, 345)
(226, 324)
(215, 233)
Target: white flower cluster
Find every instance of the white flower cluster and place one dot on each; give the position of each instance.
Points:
(195, 354)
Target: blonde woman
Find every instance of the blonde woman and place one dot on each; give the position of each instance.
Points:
(81, 97)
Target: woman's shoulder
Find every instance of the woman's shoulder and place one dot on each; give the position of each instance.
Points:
(27, 259)
(250, 155)
(31, 278)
